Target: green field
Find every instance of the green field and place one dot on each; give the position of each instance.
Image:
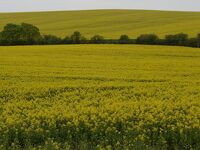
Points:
(109, 23)
(99, 96)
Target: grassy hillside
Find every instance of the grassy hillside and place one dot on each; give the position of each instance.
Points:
(81, 96)
(110, 23)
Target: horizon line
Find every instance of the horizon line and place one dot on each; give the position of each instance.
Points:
(74, 10)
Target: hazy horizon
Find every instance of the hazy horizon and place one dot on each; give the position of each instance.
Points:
(69, 5)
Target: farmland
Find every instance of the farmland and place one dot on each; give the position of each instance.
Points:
(109, 23)
(99, 96)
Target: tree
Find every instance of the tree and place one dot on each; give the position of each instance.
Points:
(124, 39)
(176, 39)
(13, 34)
(30, 33)
(77, 38)
(97, 39)
(147, 39)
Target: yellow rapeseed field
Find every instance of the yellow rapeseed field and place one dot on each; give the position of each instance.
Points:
(99, 97)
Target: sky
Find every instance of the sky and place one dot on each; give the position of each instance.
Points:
(51, 5)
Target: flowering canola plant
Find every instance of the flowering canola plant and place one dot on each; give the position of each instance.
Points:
(99, 97)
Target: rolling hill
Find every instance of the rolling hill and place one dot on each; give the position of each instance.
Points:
(109, 23)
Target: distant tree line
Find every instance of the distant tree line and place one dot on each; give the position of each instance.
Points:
(27, 34)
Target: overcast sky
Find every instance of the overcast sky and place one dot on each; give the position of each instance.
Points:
(50, 5)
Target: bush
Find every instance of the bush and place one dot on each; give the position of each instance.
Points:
(147, 39)
(1, 41)
(198, 40)
(111, 41)
(51, 39)
(77, 38)
(192, 42)
(124, 39)
(176, 39)
(97, 39)
(67, 40)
